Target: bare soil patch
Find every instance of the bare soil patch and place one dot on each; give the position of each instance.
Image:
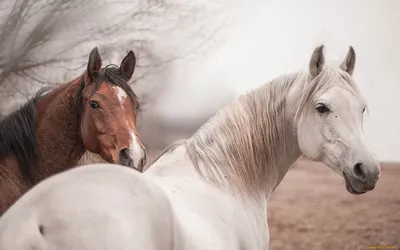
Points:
(311, 209)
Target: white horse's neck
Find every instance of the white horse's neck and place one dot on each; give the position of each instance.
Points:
(250, 145)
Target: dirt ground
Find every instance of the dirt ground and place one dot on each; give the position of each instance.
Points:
(311, 209)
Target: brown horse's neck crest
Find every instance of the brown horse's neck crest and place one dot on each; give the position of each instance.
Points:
(18, 136)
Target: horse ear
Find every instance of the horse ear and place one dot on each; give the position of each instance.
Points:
(317, 61)
(94, 63)
(128, 64)
(349, 62)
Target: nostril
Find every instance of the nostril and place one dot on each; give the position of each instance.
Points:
(125, 158)
(359, 171)
(124, 153)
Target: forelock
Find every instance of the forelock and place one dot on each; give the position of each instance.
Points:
(328, 78)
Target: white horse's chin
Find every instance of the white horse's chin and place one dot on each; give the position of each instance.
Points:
(350, 186)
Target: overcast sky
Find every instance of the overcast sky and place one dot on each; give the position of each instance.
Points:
(276, 37)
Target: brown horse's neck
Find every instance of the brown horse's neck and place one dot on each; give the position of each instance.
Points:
(58, 133)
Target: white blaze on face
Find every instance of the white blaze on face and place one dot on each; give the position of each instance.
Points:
(136, 152)
(121, 94)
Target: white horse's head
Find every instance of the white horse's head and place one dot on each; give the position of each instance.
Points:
(330, 123)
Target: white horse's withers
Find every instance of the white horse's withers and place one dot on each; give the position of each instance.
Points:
(210, 191)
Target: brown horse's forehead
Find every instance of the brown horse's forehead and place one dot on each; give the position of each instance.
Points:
(115, 93)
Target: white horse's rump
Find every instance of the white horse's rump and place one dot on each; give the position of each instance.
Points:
(99, 202)
(210, 191)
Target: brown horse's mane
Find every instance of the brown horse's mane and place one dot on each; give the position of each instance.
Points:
(109, 73)
(18, 135)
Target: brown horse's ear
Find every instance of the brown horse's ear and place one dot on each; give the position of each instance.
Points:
(94, 64)
(128, 64)
(349, 62)
(317, 61)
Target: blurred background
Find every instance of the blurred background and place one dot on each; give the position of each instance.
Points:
(195, 56)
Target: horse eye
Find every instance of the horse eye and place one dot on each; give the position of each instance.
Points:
(322, 109)
(363, 110)
(94, 104)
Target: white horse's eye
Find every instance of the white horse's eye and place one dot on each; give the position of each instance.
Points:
(322, 108)
(363, 110)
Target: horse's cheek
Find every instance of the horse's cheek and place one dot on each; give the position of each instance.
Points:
(308, 139)
(89, 132)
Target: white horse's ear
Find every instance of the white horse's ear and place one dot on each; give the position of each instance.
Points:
(349, 62)
(317, 61)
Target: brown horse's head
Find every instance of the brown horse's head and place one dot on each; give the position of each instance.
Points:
(108, 112)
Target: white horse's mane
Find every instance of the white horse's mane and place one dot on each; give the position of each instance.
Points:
(242, 143)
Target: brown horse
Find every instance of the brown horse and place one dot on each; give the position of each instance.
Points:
(96, 112)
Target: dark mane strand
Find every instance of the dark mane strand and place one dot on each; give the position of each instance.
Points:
(18, 135)
(111, 74)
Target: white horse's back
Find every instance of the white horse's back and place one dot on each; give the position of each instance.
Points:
(113, 206)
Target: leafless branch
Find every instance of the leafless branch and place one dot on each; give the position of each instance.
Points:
(45, 42)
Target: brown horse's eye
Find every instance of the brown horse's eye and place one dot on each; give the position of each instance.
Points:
(94, 105)
(322, 108)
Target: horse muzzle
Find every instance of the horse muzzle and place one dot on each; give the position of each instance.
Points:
(126, 160)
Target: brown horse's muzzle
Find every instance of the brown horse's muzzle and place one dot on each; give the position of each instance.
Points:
(126, 160)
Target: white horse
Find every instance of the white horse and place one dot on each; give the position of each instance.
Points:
(210, 191)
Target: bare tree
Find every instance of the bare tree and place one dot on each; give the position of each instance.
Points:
(44, 42)
(29, 31)
(169, 32)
